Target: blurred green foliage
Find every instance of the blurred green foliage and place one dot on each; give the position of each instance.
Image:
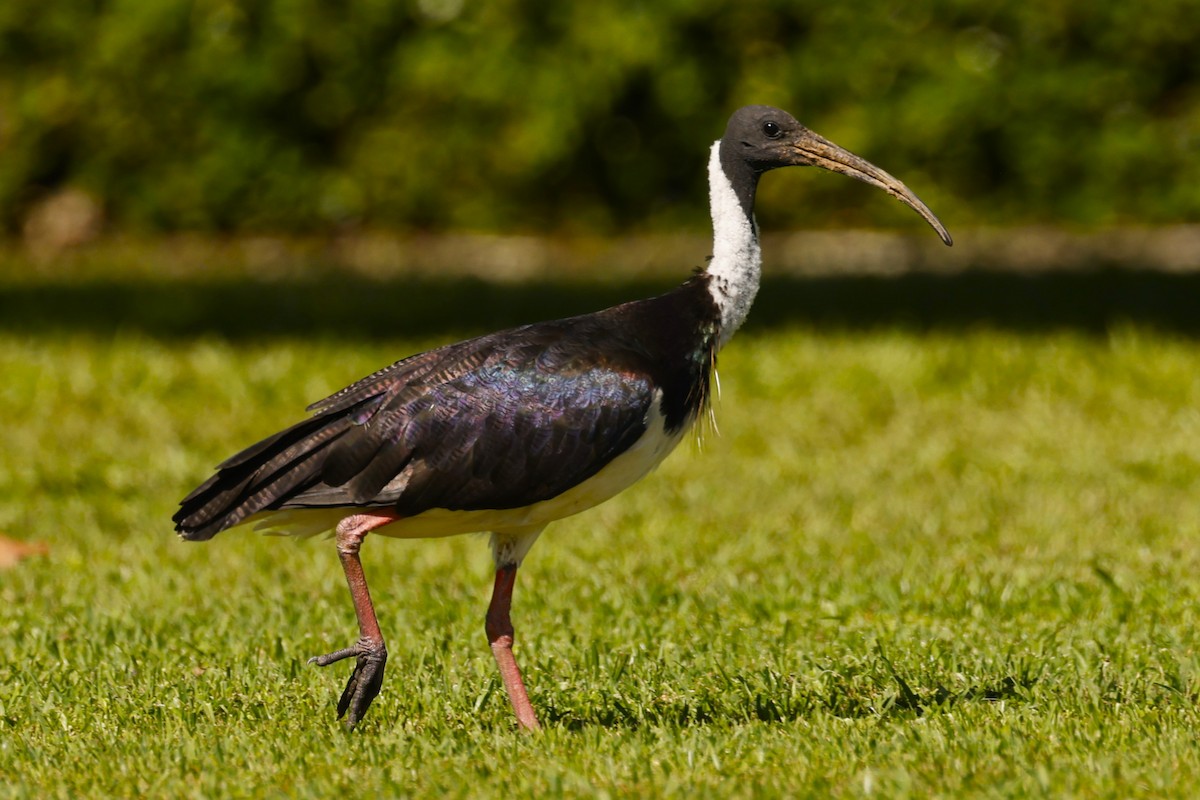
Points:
(300, 115)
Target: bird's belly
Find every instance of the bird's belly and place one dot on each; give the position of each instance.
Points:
(619, 474)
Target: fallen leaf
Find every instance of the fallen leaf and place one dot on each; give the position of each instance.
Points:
(12, 551)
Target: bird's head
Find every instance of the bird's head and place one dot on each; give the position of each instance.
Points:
(765, 138)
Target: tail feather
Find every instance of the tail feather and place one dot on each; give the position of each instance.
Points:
(260, 477)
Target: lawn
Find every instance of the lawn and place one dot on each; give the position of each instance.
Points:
(943, 545)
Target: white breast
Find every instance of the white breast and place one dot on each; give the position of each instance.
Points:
(736, 265)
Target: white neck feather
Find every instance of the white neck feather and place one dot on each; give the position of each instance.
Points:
(736, 264)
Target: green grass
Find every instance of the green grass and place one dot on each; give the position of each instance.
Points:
(918, 561)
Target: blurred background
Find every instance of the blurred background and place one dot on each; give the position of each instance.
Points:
(298, 118)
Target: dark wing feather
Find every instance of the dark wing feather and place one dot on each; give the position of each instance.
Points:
(501, 421)
(257, 477)
(506, 437)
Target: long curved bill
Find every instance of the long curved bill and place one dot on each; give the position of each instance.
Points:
(817, 151)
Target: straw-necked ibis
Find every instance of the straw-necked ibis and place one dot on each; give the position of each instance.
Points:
(508, 432)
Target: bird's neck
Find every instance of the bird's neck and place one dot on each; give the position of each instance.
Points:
(736, 265)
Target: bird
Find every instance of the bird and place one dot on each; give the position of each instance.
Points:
(508, 432)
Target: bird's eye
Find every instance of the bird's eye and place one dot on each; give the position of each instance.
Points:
(772, 130)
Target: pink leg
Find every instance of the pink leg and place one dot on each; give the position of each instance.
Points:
(500, 635)
(369, 650)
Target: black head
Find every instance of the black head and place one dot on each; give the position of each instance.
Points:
(761, 138)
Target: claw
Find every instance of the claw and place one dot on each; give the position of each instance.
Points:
(365, 681)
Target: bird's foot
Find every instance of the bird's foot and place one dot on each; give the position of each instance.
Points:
(365, 681)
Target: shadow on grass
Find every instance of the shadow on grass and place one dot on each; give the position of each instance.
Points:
(358, 308)
(780, 699)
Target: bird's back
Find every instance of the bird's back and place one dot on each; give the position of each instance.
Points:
(503, 421)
